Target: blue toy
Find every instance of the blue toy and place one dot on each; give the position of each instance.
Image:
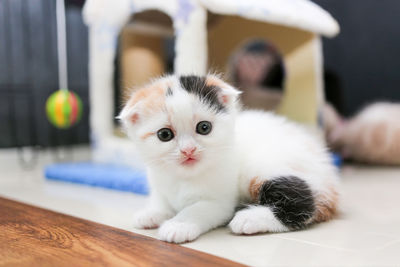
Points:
(337, 160)
(111, 176)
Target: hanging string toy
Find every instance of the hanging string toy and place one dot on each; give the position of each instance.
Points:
(63, 107)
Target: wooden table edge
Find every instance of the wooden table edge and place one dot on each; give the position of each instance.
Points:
(60, 238)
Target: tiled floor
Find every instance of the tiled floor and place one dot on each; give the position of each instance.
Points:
(366, 232)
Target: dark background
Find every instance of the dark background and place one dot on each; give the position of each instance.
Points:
(29, 72)
(362, 64)
(363, 61)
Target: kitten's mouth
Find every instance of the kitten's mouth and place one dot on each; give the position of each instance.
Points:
(189, 161)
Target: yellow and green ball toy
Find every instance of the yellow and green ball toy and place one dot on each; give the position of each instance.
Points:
(64, 109)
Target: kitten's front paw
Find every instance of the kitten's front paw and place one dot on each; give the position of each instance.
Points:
(178, 232)
(148, 219)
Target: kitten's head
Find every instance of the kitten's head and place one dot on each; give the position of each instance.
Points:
(182, 123)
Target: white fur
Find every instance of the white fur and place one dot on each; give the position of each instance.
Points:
(179, 232)
(189, 200)
(270, 146)
(256, 219)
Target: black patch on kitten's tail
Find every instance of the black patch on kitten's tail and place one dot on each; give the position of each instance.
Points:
(208, 93)
(290, 199)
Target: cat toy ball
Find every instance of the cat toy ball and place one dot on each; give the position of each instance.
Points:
(63, 107)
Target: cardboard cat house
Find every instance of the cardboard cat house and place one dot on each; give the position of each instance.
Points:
(206, 33)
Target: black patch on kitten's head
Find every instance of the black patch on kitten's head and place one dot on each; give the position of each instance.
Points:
(290, 199)
(208, 93)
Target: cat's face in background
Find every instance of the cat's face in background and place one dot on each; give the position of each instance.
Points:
(183, 124)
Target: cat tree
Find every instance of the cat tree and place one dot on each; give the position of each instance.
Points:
(293, 26)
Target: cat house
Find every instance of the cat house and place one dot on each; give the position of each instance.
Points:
(206, 33)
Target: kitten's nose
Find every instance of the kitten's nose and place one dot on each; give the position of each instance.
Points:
(188, 151)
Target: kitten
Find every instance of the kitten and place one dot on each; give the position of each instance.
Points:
(205, 157)
(372, 136)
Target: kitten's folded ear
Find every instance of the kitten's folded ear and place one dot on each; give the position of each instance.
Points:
(128, 114)
(228, 95)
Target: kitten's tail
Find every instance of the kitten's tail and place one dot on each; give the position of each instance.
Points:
(283, 204)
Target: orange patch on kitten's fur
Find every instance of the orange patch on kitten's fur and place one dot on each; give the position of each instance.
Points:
(255, 187)
(326, 206)
(146, 94)
(151, 97)
(214, 81)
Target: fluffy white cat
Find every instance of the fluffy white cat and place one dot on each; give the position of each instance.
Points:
(205, 157)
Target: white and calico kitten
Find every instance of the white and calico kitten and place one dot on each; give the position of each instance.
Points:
(205, 157)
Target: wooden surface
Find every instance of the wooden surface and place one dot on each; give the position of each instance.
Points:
(31, 236)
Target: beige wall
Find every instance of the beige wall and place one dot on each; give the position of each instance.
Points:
(142, 58)
(297, 47)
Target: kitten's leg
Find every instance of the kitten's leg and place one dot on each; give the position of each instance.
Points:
(154, 214)
(283, 204)
(194, 220)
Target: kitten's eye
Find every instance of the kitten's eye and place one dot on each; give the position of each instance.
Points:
(165, 134)
(204, 127)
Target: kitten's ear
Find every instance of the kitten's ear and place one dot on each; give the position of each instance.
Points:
(129, 114)
(228, 94)
(143, 100)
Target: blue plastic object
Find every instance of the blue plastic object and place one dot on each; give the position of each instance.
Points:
(111, 176)
(337, 159)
